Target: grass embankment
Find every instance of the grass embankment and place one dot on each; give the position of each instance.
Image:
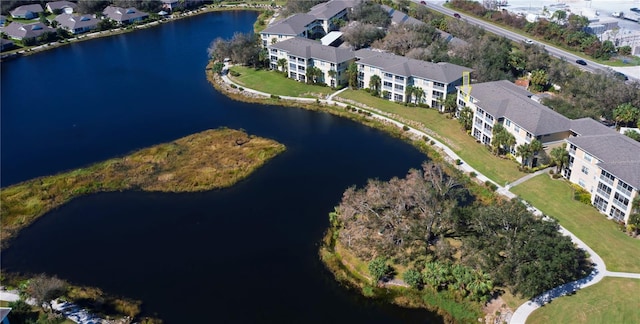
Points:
(447, 131)
(353, 272)
(555, 198)
(612, 300)
(276, 83)
(203, 161)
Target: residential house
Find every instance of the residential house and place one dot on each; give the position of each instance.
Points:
(319, 21)
(27, 11)
(22, 31)
(516, 109)
(61, 7)
(5, 44)
(172, 5)
(396, 73)
(77, 24)
(124, 15)
(607, 164)
(298, 25)
(302, 54)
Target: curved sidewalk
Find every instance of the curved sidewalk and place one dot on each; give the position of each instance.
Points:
(522, 313)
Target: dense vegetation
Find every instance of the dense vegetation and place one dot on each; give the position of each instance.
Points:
(412, 223)
(203, 161)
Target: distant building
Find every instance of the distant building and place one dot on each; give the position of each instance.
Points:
(22, 31)
(77, 24)
(27, 11)
(124, 15)
(61, 7)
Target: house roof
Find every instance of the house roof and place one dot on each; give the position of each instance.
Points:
(307, 48)
(330, 38)
(619, 154)
(400, 65)
(21, 31)
(293, 25)
(399, 17)
(123, 14)
(20, 11)
(61, 5)
(76, 21)
(328, 10)
(505, 99)
(588, 126)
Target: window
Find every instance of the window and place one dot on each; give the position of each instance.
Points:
(292, 66)
(387, 85)
(607, 177)
(600, 203)
(333, 65)
(587, 157)
(479, 111)
(399, 78)
(478, 120)
(516, 129)
(438, 84)
(507, 122)
(621, 200)
(461, 103)
(388, 75)
(437, 94)
(361, 75)
(616, 213)
(274, 58)
(585, 170)
(528, 135)
(273, 50)
(398, 87)
(604, 190)
(625, 188)
(397, 97)
(489, 117)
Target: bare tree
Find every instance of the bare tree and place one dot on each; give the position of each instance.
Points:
(45, 289)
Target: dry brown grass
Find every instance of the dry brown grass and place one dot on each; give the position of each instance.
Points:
(203, 161)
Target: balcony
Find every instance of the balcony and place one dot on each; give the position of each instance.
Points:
(619, 205)
(603, 193)
(606, 180)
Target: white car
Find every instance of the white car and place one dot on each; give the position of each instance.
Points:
(528, 41)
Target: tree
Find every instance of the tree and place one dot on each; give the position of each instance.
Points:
(626, 114)
(408, 93)
(21, 312)
(282, 64)
(632, 134)
(419, 94)
(332, 75)
(524, 151)
(361, 35)
(465, 118)
(560, 156)
(352, 75)
(450, 105)
(374, 84)
(371, 13)
(92, 6)
(501, 139)
(313, 75)
(45, 289)
(539, 80)
(378, 268)
(413, 278)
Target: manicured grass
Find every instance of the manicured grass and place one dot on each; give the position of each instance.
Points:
(276, 84)
(555, 198)
(447, 131)
(613, 300)
(203, 161)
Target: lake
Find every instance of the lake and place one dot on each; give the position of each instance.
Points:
(246, 254)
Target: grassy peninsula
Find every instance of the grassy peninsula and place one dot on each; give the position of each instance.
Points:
(208, 160)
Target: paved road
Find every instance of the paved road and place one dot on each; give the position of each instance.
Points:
(631, 72)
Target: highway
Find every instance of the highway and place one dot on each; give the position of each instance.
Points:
(557, 52)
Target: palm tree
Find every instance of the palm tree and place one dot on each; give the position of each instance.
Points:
(466, 118)
(626, 113)
(408, 92)
(282, 64)
(524, 151)
(332, 74)
(419, 93)
(559, 156)
(374, 84)
(535, 147)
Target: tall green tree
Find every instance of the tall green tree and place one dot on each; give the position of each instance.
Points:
(559, 156)
(378, 268)
(352, 75)
(282, 64)
(524, 152)
(626, 114)
(465, 118)
(375, 83)
(332, 75)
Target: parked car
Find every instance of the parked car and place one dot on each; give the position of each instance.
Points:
(457, 15)
(581, 62)
(620, 76)
(528, 41)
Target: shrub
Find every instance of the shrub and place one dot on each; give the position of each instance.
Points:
(473, 174)
(551, 172)
(458, 162)
(234, 73)
(348, 107)
(580, 194)
(378, 268)
(275, 96)
(433, 142)
(413, 278)
(491, 185)
(241, 89)
(425, 138)
(234, 86)
(557, 175)
(405, 128)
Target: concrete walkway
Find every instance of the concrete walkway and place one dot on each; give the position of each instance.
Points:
(521, 314)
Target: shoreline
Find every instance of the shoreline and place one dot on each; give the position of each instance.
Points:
(14, 54)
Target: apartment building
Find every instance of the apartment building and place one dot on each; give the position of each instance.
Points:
(301, 54)
(435, 80)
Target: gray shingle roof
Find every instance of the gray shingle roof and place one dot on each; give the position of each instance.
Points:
(123, 14)
(21, 31)
(327, 10)
(291, 26)
(76, 21)
(399, 17)
(620, 155)
(588, 126)
(400, 65)
(61, 5)
(505, 99)
(19, 11)
(307, 48)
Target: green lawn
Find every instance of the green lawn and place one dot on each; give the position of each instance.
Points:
(555, 198)
(275, 83)
(613, 300)
(447, 131)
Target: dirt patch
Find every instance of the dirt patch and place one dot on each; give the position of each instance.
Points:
(497, 311)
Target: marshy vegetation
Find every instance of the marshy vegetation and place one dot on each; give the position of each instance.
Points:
(204, 161)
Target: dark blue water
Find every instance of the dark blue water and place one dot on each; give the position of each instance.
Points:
(247, 254)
